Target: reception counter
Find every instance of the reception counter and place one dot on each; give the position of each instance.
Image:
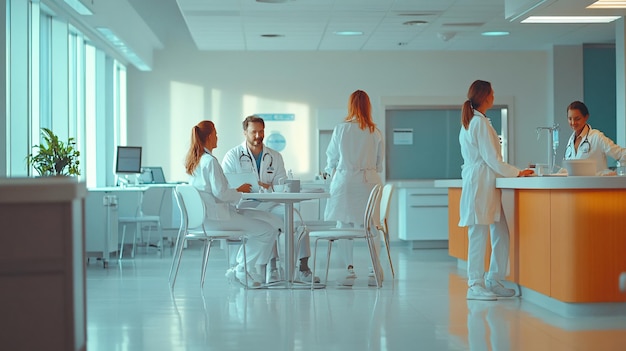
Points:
(568, 235)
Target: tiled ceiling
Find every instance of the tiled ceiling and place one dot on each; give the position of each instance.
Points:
(310, 25)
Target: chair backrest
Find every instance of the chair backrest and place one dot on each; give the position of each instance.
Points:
(372, 202)
(152, 201)
(192, 209)
(385, 199)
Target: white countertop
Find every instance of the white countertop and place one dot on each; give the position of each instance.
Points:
(549, 182)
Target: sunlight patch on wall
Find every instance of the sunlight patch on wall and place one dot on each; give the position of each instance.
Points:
(297, 133)
(186, 110)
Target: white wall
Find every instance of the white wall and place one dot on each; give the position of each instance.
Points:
(186, 86)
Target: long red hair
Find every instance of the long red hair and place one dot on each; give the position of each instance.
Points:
(476, 95)
(199, 135)
(359, 107)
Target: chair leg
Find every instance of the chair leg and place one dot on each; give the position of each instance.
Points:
(245, 259)
(122, 244)
(175, 256)
(137, 231)
(386, 238)
(330, 246)
(205, 261)
(375, 261)
(180, 256)
(314, 260)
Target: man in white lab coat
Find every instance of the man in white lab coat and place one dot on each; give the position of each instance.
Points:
(254, 156)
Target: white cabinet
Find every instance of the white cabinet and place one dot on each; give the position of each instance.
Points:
(101, 225)
(423, 216)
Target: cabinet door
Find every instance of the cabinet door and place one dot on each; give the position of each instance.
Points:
(423, 214)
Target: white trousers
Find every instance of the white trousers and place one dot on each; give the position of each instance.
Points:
(253, 208)
(498, 266)
(261, 234)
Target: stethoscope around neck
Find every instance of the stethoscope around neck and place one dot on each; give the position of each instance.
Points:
(246, 157)
(584, 146)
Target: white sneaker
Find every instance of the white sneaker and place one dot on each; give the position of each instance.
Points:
(498, 289)
(240, 274)
(306, 276)
(349, 279)
(479, 292)
(371, 278)
(274, 276)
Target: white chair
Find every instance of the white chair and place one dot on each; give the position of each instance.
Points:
(192, 214)
(147, 215)
(353, 233)
(382, 226)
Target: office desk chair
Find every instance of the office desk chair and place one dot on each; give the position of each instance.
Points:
(382, 227)
(367, 233)
(192, 214)
(147, 216)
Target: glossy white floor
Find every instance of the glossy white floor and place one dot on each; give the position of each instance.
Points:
(130, 307)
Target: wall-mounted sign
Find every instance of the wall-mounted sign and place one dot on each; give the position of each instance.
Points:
(403, 136)
(277, 116)
(276, 141)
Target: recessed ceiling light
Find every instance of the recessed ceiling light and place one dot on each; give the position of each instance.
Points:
(348, 33)
(495, 33)
(570, 19)
(608, 4)
(415, 23)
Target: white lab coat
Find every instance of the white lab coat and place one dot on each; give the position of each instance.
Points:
(240, 160)
(212, 185)
(480, 148)
(356, 157)
(599, 147)
(221, 213)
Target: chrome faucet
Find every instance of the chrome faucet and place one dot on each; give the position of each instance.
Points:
(553, 146)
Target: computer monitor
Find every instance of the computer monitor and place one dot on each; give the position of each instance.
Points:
(128, 160)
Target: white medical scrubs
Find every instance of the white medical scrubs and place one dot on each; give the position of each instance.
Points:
(221, 213)
(480, 205)
(594, 146)
(272, 171)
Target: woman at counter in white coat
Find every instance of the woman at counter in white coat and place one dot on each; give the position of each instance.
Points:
(588, 143)
(207, 176)
(481, 206)
(354, 159)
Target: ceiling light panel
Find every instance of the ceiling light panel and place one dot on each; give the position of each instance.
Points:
(608, 4)
(570, 19)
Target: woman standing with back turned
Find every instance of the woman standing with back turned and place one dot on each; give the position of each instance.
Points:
(354, 159)
(481, 206)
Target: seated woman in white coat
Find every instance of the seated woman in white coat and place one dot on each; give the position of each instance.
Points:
(207, 176)
(588, 143)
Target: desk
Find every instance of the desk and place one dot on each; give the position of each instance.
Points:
(288, 199)
(104, 206)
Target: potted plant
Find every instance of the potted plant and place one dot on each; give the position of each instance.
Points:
(54, 157)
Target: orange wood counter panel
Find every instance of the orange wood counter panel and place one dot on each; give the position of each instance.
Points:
(568, 235)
